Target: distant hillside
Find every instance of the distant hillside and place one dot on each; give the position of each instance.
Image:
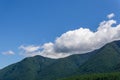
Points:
(106, 59)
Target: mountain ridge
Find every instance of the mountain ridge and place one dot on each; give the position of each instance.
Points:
(105, 59)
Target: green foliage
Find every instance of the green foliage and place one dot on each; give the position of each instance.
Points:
(101, 76)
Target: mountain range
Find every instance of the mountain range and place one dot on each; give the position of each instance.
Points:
(103, 60)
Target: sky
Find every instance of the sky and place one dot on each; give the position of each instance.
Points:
(55, 28)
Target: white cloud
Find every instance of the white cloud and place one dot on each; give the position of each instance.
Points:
(8, 53)
(30, 50)
(110, 15)
(84, 40)
(78, 41)
(49, 51)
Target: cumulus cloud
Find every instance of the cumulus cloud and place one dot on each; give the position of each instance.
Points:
(49, 51)
(30, 50)
(46, 50)
(110, 15)
(78, 41)
(10, 52)
(84, 40)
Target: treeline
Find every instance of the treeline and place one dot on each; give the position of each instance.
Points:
(101, 76)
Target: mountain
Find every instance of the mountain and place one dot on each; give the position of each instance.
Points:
(41, 68)
(105, 59)
(26, 69)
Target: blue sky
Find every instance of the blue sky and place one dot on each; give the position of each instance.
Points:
(35, 22)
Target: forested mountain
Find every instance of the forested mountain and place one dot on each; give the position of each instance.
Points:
(105, 59)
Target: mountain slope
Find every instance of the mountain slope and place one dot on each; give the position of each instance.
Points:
(41, 68)
(106, 59)
(65, 66)
(26, 69)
